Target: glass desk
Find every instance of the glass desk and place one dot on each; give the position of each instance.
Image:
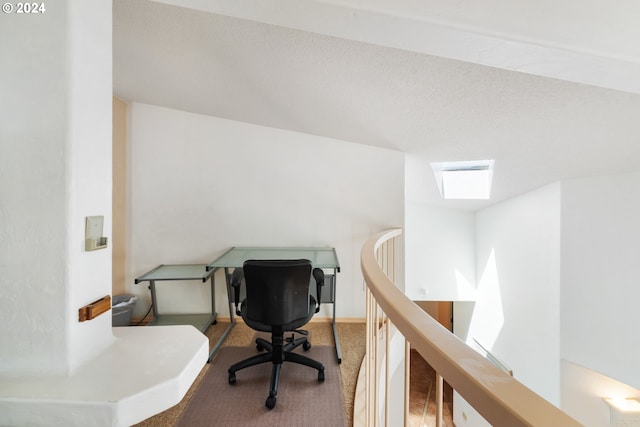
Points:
(183, 272)
(324, 258)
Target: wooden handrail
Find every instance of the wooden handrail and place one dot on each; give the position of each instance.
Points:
(498, 397)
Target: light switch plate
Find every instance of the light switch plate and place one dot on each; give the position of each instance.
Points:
(93, 233)
(94, 227)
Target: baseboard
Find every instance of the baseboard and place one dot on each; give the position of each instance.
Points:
(347, 320)
(315, 319)
(225, 319)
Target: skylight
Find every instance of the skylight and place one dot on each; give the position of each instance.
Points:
(464, 180)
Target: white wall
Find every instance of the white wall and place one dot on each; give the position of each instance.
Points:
(55, 169)
(517, 311)
(439, 242)
(439, 253)
(600, 275)
(89, 169)
(557, 299)
(518, 305)
(200, 185)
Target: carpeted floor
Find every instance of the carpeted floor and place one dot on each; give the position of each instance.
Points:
(352, 343)
(302, 400)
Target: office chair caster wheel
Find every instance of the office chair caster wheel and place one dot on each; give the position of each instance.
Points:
(232, 378)
(306, 345)
(271, 402)
(259, 347)
(320, 376)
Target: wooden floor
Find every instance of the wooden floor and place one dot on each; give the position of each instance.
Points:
(422, 404)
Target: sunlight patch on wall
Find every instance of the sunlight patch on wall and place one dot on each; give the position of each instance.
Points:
(466, 290)
(487, 319)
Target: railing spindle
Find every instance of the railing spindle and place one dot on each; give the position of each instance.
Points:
(386, 371)
(439, 393)
(407, 380)
(367, 357)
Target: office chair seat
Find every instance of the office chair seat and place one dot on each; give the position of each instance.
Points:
(291, 326)
(277, 301)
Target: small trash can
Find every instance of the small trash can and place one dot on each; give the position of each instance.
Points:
(121, 309)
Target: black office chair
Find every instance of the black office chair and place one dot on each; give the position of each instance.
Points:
(277, 301)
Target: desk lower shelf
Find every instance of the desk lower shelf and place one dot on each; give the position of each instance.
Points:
(199, 321)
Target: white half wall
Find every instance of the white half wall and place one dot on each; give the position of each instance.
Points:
(600, 275)
(583, 391)
(200, 185)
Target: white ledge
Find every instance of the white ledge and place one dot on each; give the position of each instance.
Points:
(145, 371)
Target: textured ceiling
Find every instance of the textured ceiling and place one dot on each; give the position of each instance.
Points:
(539, 130)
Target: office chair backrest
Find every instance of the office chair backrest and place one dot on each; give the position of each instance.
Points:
(277, 290)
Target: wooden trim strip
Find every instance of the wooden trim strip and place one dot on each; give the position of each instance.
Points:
(95, 309)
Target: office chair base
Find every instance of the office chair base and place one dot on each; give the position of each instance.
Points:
(266, 357)
(285, 355)
(271, 402)
(291, 343)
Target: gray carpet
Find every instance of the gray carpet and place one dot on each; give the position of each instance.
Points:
(217, 403)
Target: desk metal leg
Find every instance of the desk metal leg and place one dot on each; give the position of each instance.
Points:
(232, 320)
(214, 315)
(335, 329)
(154, 302)
(221, 340)
(335, 339)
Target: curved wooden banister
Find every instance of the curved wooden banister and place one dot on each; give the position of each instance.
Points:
(498, 397)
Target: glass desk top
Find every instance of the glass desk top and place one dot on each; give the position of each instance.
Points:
(176, 272)
(236, 256)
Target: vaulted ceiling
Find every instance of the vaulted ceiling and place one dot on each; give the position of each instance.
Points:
(549, 96)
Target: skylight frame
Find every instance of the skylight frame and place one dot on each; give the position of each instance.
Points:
(464, 180)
